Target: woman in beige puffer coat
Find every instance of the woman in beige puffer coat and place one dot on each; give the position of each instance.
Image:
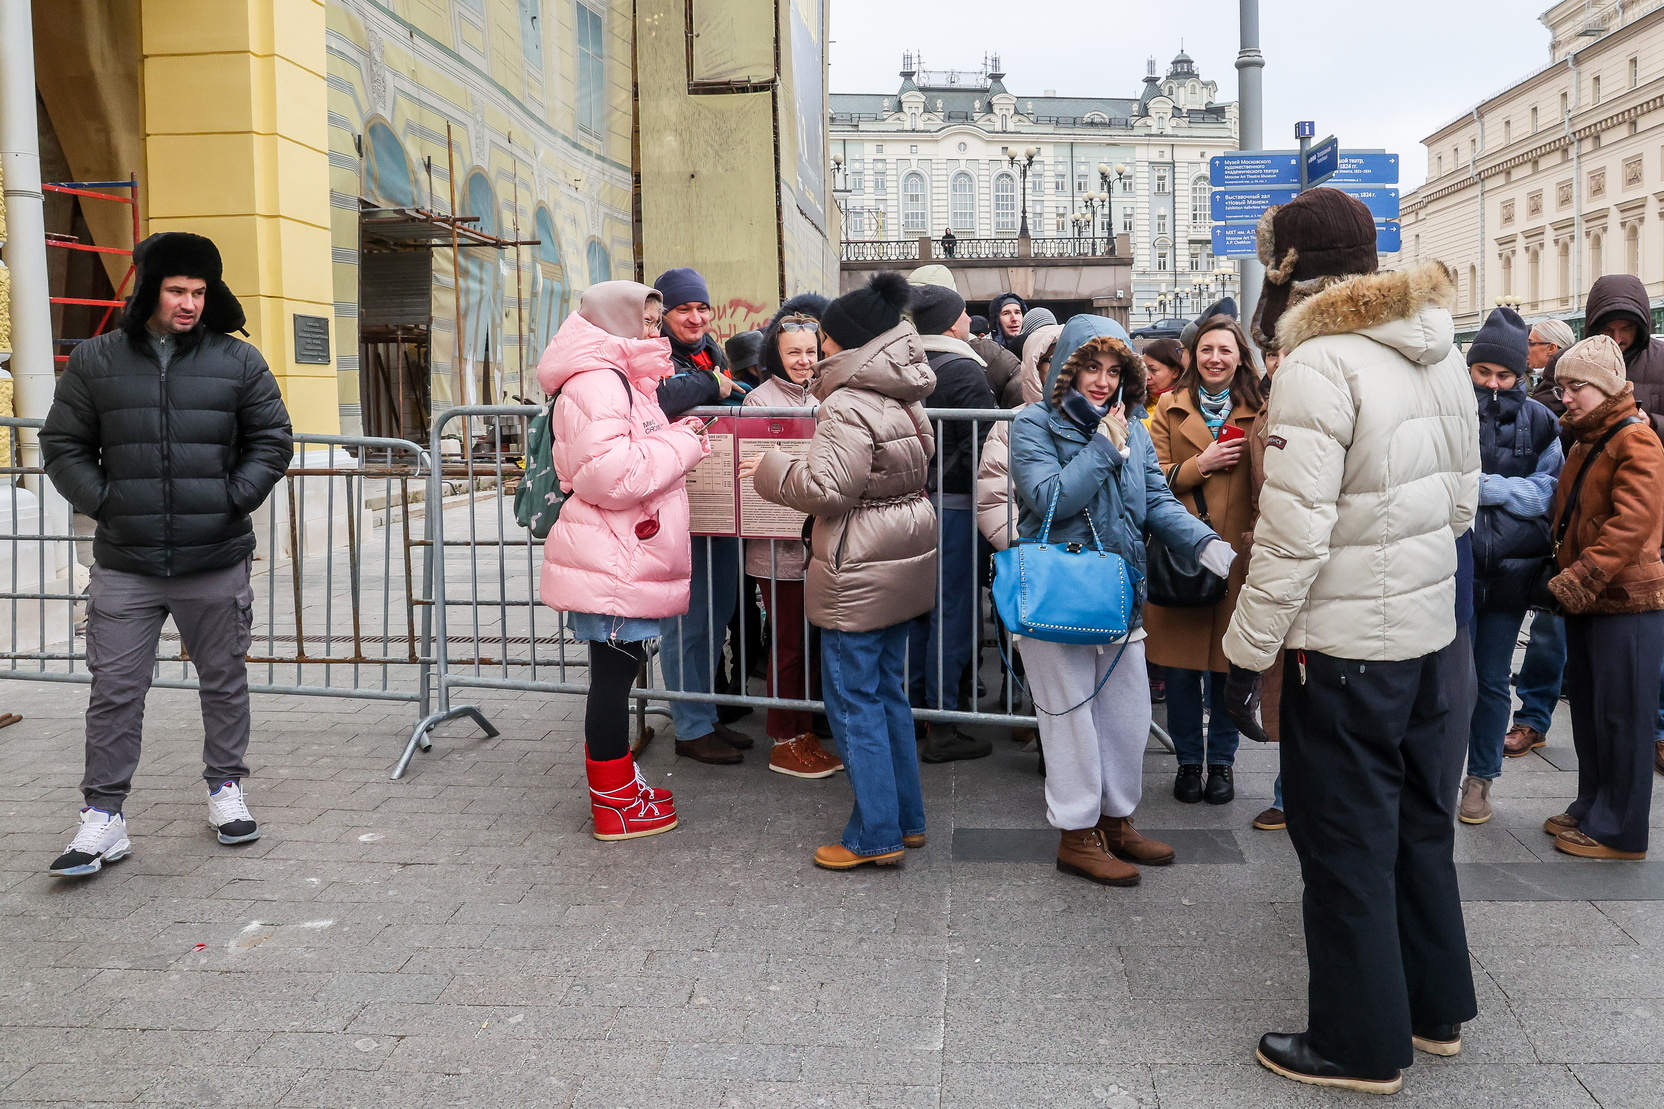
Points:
(872, 556)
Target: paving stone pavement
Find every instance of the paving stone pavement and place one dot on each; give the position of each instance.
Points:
(458, 938)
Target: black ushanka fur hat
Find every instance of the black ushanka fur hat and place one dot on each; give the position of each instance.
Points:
(180, 254)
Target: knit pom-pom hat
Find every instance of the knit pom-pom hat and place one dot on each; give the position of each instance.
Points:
(856, 319)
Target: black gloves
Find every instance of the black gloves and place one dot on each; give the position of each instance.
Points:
(1242, 702)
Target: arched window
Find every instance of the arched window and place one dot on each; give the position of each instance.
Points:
(1164, 254)
(1534, 276)
(1632, 249)
(1507, 275)
(962, 203)
(388, 175)
(914, 215)
(1473, 289)
(482, 288)
(548, 282)
(1564, 276)
(1005, 203)
(600, 262)
(1200, 192)
(1597, 255)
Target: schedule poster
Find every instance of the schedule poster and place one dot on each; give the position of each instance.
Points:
(713, 508)
(720, 503)
(760, 519)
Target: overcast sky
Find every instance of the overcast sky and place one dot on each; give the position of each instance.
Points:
(1381, 74)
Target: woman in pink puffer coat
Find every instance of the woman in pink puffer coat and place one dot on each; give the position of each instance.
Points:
(617, 558)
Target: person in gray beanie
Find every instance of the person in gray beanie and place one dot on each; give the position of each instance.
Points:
(942, 641)
(1519, 453)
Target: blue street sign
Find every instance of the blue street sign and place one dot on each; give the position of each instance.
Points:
(1321, 161)
(1234, 240)
(1382, 203)
(1254, 167)
(1237, 240)
(1360, 168)
(1305, 129)
(1230, 205)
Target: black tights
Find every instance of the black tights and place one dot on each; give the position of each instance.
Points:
(612, 671)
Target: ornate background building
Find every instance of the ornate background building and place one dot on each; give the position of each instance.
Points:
(1558, 179)
(935, 155)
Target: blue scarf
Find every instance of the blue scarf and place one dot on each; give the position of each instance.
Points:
(1216, 407)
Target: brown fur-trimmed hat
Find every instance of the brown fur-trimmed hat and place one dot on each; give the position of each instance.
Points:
(1131, 363)
(1322, 233)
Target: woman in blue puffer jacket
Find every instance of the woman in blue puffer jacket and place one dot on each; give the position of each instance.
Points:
(1086, 442)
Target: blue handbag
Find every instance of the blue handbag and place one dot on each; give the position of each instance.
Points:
(1065, 593)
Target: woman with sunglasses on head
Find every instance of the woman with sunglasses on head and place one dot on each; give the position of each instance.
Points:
(1608, 526)
(1200, 431)
(791, 350)
(1083, 455)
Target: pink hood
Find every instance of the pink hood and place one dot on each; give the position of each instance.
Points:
(625, 466)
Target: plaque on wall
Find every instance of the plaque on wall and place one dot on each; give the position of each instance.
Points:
(312, 339)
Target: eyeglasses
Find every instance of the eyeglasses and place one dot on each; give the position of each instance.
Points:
(1560, 390)
(1541, 343)
(800, 323)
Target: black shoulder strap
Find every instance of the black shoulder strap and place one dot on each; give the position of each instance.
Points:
(1570, 506)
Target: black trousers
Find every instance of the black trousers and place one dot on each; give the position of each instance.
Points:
(1612, 665)
(1371, 765)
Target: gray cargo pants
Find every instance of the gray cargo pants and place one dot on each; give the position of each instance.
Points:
(125, 612)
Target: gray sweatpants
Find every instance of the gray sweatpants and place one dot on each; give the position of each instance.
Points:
(125, 612)
(1095, 754)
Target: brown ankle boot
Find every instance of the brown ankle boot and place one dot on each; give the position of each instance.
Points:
(1123, 840)
(1082, 853)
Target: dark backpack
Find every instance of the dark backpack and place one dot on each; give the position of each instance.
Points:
(538, 501)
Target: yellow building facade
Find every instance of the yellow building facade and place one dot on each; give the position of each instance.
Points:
(330, 146)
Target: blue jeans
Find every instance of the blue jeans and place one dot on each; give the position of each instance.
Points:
(1185, 690)
(861, 682)
(1659, 727)
(1277, 791)
(691, 644)
(1541, 673)
(950, 626)
(1494, 637)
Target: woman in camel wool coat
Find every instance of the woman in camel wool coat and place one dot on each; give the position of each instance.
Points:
(1187, 640)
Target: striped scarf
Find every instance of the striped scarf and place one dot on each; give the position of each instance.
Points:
(1216, 407)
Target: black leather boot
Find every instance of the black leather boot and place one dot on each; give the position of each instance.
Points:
(1187, 787)
(1220, 789)
(1288, 1054)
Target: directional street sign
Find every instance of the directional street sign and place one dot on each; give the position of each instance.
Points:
(1382, 203)
(1236, 240)
(1321, 161)
(1360, 167)
(1254, 167)
(1230, 205)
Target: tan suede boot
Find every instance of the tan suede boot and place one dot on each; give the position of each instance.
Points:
(1124, 841)
(1082, 853)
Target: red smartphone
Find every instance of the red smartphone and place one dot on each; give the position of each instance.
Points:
(1230, 433)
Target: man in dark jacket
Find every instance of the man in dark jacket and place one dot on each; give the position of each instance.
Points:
(692, 644)
(944, 641)
(168, 432)
(1618, 306)
(1006, 313)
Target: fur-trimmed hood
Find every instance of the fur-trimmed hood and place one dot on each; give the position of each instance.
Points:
(1089, 336)
(768, 360)
(1408, 310)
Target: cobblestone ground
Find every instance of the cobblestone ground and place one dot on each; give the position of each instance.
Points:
(457, 938)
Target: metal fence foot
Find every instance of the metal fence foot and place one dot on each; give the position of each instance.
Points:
(420, 737)
(1163, 738)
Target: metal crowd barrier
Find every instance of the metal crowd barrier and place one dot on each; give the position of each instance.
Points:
(490, 631)
(336, 576)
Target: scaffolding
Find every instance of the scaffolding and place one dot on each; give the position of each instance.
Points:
(89, 190)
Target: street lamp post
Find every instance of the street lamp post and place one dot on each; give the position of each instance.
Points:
(1022, 166)
(1104, 171)
(1091, 202)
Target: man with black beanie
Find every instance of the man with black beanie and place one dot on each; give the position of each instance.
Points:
(1371, 474)
(943, 642)
(168, 432)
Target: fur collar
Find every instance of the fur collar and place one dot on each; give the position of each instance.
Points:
(1325, 306)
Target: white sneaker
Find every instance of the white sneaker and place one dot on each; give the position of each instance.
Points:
(101, 839)
(228, 813)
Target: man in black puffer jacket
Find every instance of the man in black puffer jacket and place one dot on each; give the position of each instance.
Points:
(168, 432)
(944, 640)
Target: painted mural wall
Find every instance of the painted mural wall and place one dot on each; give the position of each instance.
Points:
(537, 96)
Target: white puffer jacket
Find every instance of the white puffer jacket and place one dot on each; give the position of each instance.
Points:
(1371, 472)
